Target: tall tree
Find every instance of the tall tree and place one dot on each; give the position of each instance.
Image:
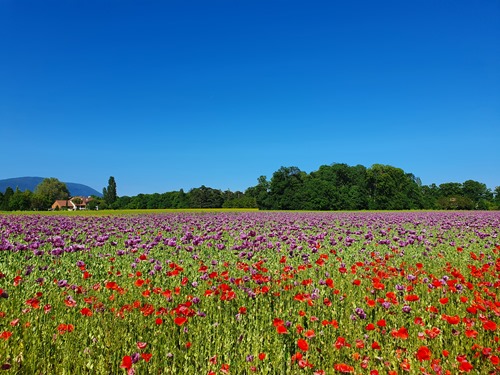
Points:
(260, 193)
(205, 197)
(286, 189)
(477, 192)
(496, 199)
(9, 192)
(109, 193)
(391, 188)
(20, 200)
(48, 191)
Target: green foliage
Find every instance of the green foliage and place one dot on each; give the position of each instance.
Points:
(455, 202)
(109, 193)
(450, 189)
(9, 192)
(20, 200)
(496, 200)
(476, 191)
(285, 189)
(47, 192)
(391, 188)
(260, 193)
(204, 197)
(330, 188)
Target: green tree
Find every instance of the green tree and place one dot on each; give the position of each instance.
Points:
(456, 202)
(338, 187)
(286, 189)
(391, 188)
(9, 192)
(20, 200)
(47, 192)
(496, 199)
(319, 194)
(430, 195)
(260, 193)
(450, 189)
(478, 193)
(109, 193)
(205, 197)
(95, 203)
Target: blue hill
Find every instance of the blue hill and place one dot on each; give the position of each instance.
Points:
(30, 183)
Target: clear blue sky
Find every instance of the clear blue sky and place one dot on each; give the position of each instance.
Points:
(165, 95)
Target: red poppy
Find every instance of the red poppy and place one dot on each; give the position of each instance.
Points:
(281, 329)
(309, 333)
(70, 303)
(489, 325)
(452, 319)
(262, 356)
(343, 368)
(465, 366)
(5, 335)
(405, 365)
(278, 322)
(370, 327)
(180, 320)
(62, 328)
(423, 353)
(401, 333)
(381, 323)
(303, 345)
(146, 356)
(471, 333)
(370, 302)
(126, 362)
(341, 342)
(86, 311)
(411, 297)
(142, 345)
(433, 332)
(419, 321)
(360, 344)
(375, 345)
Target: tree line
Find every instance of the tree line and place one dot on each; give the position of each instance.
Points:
(332, 187)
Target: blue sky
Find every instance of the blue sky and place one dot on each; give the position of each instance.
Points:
(165, 95)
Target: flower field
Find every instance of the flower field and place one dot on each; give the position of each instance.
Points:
(250, 292)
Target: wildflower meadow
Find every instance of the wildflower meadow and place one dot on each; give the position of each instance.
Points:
(250, 293)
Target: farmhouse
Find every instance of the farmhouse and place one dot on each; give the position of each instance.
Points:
(72, 204)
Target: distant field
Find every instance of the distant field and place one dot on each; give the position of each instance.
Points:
(126, 212)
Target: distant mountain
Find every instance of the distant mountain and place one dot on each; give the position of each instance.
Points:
(30, 183)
